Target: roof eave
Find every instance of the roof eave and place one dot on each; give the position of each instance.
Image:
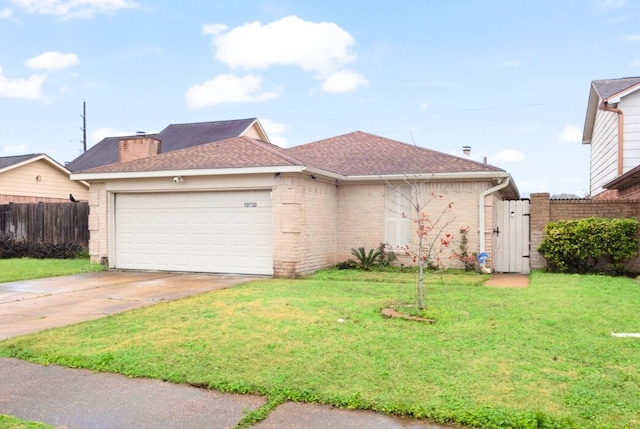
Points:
(589, 121)
(40, 157)
(615, 98)
(512, 189)
(185, 173)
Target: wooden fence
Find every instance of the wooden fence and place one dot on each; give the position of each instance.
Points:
(47, 222)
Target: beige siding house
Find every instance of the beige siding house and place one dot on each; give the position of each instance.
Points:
(243, 205)
(612, 129)
(37, 178)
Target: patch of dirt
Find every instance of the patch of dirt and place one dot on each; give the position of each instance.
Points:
(390, 312)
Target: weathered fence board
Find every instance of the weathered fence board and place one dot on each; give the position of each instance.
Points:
(47, 222)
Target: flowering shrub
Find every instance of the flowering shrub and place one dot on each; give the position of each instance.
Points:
(470, 261)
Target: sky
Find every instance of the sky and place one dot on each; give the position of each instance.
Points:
(510, 78)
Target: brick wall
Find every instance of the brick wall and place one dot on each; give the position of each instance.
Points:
(138, 147)
(362, 211)
(305, 225)
(630, 193)
(544, 210)
(98, 241)
(361, 214)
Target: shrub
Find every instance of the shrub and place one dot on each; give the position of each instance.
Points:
(12, 248)
(365, 261)
(469, 260)
(590, 245)
(387, 257)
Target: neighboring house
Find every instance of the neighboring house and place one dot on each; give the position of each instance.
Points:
(37, 178)
(242, 205)
(612, 128)
(173, 137)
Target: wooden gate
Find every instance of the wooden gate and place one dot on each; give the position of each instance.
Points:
(511, 236)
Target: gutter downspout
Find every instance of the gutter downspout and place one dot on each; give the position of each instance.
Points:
(482, 217)
(606, 108)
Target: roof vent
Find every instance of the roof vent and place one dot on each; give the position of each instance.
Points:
(466, 150)
(141, 133)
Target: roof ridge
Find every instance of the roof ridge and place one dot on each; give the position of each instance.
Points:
(20, 156)
(211, 122)
(270, 147)
(412, 145)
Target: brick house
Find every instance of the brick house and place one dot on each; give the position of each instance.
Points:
(243, 205)
(612, 129)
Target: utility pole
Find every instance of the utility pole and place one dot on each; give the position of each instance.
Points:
(84, 126)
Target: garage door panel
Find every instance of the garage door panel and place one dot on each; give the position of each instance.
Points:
(227, 232)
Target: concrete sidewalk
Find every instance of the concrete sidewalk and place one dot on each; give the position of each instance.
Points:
(78, 399)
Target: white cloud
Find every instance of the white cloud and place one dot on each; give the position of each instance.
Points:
(322, 48)
(101, 133)
(603, 5)
(570, 135)
(67, 9)
(30, 88)
(512, 64)
(632, 37)
(275, 131)
(508, 155)
(52, 60)
(6, 13)
(18, 149)
(636, 63)
(344, 81)
(228, 88)
(424, 106)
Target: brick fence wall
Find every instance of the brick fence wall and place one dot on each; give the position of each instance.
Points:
(544, 210)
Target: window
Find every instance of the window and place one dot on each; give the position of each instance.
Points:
(398, 215)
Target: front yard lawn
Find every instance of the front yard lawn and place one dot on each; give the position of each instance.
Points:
(496, 358)
(9, 422)
(27, 268)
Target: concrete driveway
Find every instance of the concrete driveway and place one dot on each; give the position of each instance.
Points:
(34, 305)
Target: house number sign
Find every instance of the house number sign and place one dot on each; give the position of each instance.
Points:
(250, 204)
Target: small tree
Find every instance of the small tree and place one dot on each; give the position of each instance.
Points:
(431, 238)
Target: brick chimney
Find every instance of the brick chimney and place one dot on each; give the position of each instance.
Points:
(138, 147)
(466, 150)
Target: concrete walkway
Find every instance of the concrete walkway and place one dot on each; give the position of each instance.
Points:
(79, 399)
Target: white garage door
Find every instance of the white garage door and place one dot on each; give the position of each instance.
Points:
(216, 232)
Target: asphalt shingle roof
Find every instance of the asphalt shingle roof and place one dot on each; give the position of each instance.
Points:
(173, 137)
(608, 87)
(363, 154)
(354, 154)
(8, 161)
(236, 152)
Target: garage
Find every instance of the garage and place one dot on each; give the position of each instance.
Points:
(214, 232)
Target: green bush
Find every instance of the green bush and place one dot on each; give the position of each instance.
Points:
(12, 248)
(590, 245)
(365, 261)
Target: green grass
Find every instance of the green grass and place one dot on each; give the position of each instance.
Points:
(9, 422)
(496, 358)
(12, 270)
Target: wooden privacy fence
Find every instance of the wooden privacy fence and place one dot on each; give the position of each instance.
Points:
(46, 222)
